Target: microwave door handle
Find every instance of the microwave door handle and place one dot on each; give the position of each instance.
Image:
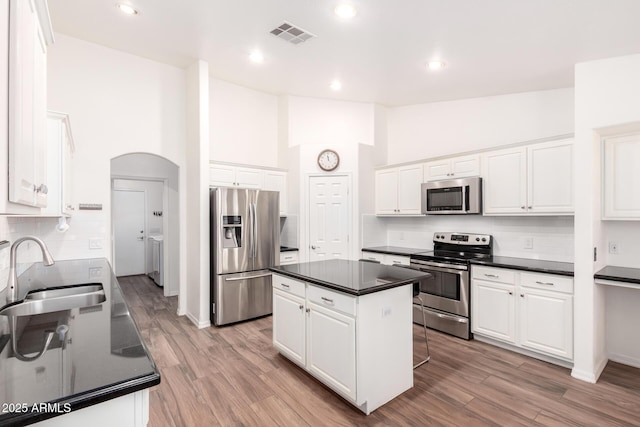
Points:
(465, 198)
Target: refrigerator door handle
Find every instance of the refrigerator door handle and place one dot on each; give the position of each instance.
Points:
(253, 236)
(255, 229)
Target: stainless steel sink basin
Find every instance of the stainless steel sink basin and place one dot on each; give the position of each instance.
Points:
(56, 299)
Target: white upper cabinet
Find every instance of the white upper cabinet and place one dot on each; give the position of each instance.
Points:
(60, 153)
(224, 175)
(454, 167)
(23, 71)
(277, 181)
(621, 190)
(535, 179)
(398, 190)
(235, 176)
(29, 35)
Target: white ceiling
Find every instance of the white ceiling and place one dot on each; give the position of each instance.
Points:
(491, 47)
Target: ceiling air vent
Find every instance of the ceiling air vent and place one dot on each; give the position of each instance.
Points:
(291, 33)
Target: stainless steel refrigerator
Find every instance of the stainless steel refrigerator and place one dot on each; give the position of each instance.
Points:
(245, 241)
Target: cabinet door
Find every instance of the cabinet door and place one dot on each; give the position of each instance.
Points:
(249, 178)
(546, 322)
(493, 310)
(550, 177)
(465, 166)
(437, 169)
(622, 177)
(289, 325)
(505, 181)
(222, 176)
(331, 349)
(27, 106)
(68, 153)
(277, 181)
(409, 182)
(387, 192)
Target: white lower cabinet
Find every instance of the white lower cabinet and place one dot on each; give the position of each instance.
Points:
(388, 259)
(338, 338)
(289, 257)
(533, 311)
(332, 348)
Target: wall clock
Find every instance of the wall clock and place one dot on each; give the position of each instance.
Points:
(328, 160)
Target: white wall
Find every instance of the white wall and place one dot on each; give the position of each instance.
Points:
(243, 125)
(552, 236)
(607, 94)
(442, 128)
(118, 103)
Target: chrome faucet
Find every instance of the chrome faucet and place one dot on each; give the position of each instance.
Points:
(47, 260)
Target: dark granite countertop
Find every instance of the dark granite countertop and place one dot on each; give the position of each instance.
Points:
(394, 250)
(619, 274)
(101, 357)
(526, 264)
(351, 277)
(287, 249)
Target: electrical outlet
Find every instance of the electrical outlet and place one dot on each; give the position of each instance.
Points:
(95, 244)
(528, 243)
(613, 247)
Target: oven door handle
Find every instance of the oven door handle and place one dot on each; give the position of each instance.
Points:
(436, 266)
(456, 319)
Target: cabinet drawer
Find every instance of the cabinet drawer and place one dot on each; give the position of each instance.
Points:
(548, 282)
(493, 274)
(286, 284)
(288, 257)
(396, 260)
(373, 256)
(332, 300)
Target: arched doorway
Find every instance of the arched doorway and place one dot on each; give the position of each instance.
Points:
(158, 180)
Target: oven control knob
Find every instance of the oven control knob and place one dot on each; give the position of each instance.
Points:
(484, 239)
(477, 239)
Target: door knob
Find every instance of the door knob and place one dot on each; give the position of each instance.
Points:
(313, 247)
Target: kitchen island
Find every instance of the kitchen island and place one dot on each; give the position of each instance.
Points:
(96, 369)
(349, 324)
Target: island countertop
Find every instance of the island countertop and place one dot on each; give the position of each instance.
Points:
(351, 277)
(96, 355)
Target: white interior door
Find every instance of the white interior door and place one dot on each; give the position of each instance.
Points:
(129, 234)
(328, 217)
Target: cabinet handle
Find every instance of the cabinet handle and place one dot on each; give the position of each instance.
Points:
(491, 275)
(308, 310)
(545, 283)
(510, 293)
(529, 207)
(284, 285)
(522, 295)
(397, 262)
(522, 207)
(372, 258)
(288, 257)
(327, 300)
(301, 306)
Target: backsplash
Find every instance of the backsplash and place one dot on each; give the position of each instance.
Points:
(71, 244)
(552, 237)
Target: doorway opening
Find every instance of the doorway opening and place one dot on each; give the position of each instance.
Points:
(145, 219)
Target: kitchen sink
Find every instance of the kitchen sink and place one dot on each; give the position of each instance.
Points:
(56, 299)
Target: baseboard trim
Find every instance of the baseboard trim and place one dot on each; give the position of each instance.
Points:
(199, 324)
(625, 360)
(588, 376)
(524, 351)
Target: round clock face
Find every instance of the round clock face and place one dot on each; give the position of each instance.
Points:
(328, 160)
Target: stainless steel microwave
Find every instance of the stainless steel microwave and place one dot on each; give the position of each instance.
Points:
(452, 196)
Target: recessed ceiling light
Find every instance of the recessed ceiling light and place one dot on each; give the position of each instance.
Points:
(336, 85)
(256, 56)
(435, 65)
(345, 10)
(128, 9)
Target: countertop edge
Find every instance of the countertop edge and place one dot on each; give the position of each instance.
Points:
(339, 288)
(389, 252)
(87, 399)
(616, 278)
(523, 268)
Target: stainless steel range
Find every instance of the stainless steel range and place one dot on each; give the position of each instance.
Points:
(446, 293)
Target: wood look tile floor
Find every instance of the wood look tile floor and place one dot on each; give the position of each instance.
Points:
(232, 376)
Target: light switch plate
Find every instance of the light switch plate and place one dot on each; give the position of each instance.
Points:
(95, 244)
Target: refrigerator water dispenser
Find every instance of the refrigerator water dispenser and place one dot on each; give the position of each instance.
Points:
(231, 231)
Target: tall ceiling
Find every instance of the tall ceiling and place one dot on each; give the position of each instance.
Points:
(490, 47)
